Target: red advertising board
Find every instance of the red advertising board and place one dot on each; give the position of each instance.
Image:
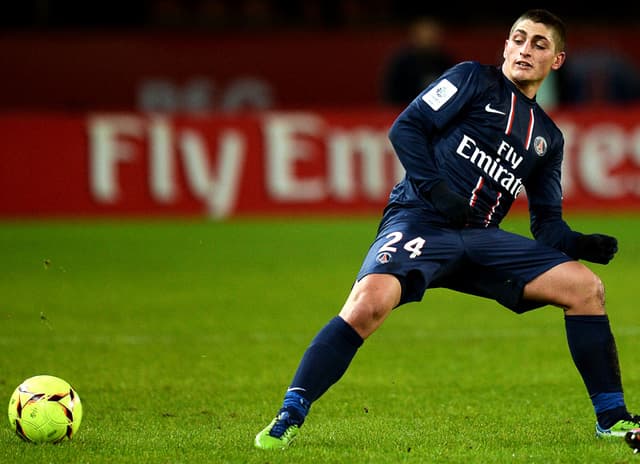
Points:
(262, 163)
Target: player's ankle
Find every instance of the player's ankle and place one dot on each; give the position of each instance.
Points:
(297, 406)
(608, 418)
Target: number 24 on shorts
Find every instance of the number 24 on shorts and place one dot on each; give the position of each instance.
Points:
(414, 245)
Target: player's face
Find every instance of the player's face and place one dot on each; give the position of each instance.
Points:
(530, 55)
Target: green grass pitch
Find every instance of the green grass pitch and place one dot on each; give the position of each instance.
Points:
(181, 338)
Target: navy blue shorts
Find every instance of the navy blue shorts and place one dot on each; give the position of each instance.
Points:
(490, 263)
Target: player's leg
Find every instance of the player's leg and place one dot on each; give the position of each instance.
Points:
(370, 302)
(576, 289)
(328, 356)
(399, 265)
(523, 274)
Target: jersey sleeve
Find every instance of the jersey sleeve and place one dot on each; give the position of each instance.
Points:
(412, 132)
(544, 193)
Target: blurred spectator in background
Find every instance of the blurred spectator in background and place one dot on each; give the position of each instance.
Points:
(415, 65)
(213, 15)
(258, 15)
(598, 76)
(168, 14)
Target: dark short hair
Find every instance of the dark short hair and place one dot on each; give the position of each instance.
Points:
(550, 20)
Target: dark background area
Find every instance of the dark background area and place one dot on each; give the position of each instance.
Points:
(230, 55)
(282, 14)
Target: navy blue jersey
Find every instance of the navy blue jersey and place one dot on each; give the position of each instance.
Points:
(475, 130)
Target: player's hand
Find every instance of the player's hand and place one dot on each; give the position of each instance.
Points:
(454, 206)
(597, 248)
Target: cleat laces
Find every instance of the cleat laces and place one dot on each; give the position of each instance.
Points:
(282, 427)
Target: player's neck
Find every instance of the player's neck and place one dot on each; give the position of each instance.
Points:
(528, 87)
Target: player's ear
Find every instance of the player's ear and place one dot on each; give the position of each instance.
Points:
(558, 61)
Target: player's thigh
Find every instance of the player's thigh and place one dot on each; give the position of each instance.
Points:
(501, 264)
(413, 252)
(570, 285)
(511, 253)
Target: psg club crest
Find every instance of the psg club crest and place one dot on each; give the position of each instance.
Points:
(383, 258)
(540, 145)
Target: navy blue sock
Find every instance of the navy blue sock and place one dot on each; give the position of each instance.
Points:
(594, 353)
(323, 363)
(296, 405)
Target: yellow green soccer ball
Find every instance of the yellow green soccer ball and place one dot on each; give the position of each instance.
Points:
(45, 409)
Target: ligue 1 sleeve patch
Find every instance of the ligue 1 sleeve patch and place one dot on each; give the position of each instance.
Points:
(440, 94)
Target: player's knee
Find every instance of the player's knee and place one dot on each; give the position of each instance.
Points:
(590, 297)
(363, 311)
(368, 305)
(599, 295)
(595, 292)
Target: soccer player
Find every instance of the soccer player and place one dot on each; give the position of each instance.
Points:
(470, 143)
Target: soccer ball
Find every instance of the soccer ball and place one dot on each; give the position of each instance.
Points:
(45, 409)
(632, 437)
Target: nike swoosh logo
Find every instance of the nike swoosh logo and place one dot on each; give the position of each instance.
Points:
(488, 109)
